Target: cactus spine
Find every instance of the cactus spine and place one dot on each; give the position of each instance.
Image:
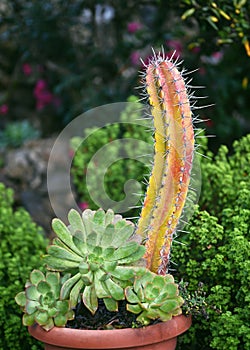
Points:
(173, 156)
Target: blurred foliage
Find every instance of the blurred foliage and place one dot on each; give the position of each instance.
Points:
(17, 133)
(215, 250)
(21, 245)
(60, 58)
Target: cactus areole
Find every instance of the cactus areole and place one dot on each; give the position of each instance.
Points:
(166, 194)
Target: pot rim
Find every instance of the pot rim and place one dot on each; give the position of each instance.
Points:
(111, 339)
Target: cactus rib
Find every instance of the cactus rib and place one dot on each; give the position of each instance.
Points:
(174, 149)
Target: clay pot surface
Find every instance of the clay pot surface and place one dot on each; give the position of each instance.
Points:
(161, 336)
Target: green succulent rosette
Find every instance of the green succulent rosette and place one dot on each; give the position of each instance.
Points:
(41, 301)
(153, 297)
(99, 249)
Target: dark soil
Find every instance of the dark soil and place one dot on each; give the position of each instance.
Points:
(103, 319)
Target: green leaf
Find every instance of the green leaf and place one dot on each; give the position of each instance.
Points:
(75, 293)
(92, 239)
(77, 225)
(135, 309)
(122, 233)
(84, 267)
(31, 306)
(89, 299)
(62, 306)
(64, 254)
(109, 217)
(41, 317)
(68, 285)
(101, 291)
(99, 224)
(111, 304)
(36, 276)
(53, 278)
(49, 325)
(131, 296)
(123, 273)
(20, 299)
(87, 218)
(164, 316)
(108, 236)
(43, 287)
(115, 290)
(108, 253)
(28, 320)
(60, 320)
(169, 306)
(188, 13)
(124, 251)
(59, 264)
(52, 311)
(64, 234)
(32, 293)
(134, 257)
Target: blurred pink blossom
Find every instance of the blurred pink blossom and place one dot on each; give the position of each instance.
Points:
(27, 69)
(4, 109)
(132, 27)
(43, 96)
(135, 58)
(83, 205)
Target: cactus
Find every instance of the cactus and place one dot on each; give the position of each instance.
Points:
(153, 297)
(174, 149)
(99, 251)
(41, 303)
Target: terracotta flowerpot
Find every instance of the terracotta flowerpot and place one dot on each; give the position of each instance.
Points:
(162, 336)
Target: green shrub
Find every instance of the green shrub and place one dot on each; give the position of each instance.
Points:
(21, 243)
(121, 170)
(216, 251)
(224, 175)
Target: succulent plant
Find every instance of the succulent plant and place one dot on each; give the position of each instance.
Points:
(154, 297)
(98, 250)
(41, 301)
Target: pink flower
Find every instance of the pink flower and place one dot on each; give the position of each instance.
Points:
(83, 205)
(135, 58)
(4, 109)
(43, 96)
(27, 69)
(132, 27)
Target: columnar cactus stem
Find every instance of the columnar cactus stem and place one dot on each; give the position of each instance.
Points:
(174, 149)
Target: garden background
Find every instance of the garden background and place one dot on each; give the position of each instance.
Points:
(59, 59)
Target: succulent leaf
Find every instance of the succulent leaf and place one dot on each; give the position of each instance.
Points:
(68, 285)
(62, 253)
(63, 234)
(36, 276)
(89, 298)
(76, 224)
(111, 304)
(75, 292)
(20, 299)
